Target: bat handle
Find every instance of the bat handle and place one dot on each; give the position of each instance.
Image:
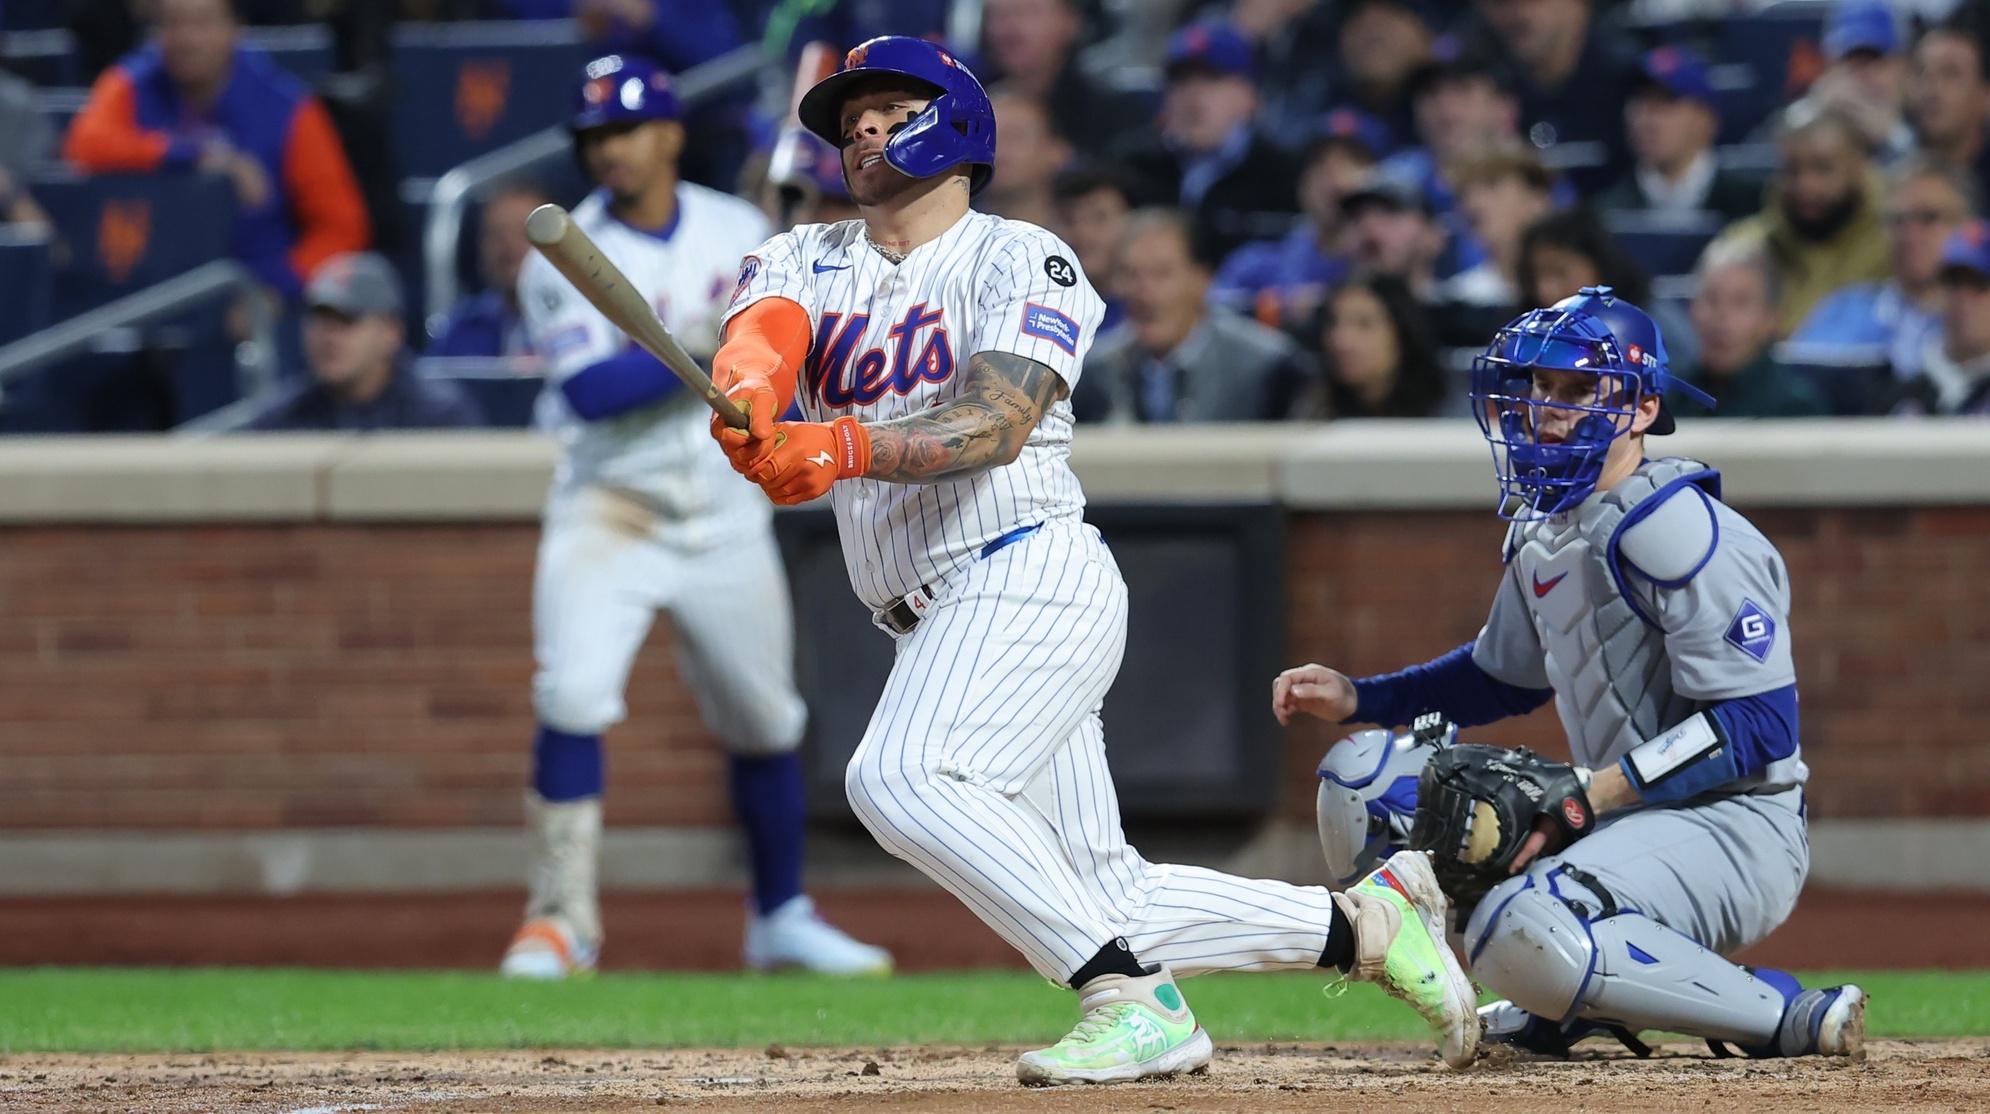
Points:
(727, 410)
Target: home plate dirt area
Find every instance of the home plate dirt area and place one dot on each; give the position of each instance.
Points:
(1929, 1075)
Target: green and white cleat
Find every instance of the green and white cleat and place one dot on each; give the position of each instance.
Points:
(1131, 1029)
(1398, 916)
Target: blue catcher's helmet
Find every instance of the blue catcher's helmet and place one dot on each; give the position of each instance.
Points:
(1368, 794)
(1594, 332)
(957, 127)
(620, 89)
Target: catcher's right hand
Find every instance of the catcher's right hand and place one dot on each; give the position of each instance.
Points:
(1315, 690)
(1479, 806)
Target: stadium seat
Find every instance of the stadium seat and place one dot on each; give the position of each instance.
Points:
(27, 274)
(126, 232)
(484, 85)
(1663, 243)
(1778, 44)
(506, 394)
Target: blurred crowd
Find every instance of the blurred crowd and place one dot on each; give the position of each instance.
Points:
(1296, 209)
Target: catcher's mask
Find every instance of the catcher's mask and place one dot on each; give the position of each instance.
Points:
(1546, 463)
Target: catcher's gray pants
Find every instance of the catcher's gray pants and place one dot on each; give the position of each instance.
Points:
(1584, 933)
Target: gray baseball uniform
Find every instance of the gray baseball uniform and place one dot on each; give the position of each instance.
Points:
(1641, 608)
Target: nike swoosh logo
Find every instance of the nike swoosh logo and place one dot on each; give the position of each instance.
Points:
(1541, 589)
(819, 268)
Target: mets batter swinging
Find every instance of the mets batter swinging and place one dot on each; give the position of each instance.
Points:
(932, 349)
(1657, 619)
(645, 517)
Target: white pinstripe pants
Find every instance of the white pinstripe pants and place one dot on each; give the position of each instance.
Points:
(985, 767)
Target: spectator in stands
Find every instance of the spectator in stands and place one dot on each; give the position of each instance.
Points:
(1032, 154)
(1821, 227)
(1671, 121)
(1890, 322)
(487, 323)
(678, 35)
(1573, 79)
(1866, 77)
(24, 144)
(1092, 202)
(1380, 358)
(361, 376)
(1207, 157)
(1464, 105)
(197, 99)
(1032, 45)
(1949, 97)
(1734, 314)
(1176, 357)
(1281, 282)
(1955, 371)
(1383, 44)
(1500, 193)
(1290, 38)
(1391, 231)
(1568, 249)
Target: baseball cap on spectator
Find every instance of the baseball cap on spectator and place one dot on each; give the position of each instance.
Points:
(1967, 251)
(1857, 25)
(1386, 191)
(1678, 73)
(355, 284)
(1209, 46)
(1352, 128)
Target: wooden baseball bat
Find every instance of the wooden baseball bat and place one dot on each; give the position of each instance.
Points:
(602, 283)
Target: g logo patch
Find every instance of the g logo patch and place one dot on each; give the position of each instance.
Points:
(1060, 271)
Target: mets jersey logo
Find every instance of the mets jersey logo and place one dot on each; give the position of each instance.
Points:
(920, 353)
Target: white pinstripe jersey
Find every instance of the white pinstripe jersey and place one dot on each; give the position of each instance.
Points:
(662, 452)
(894, 339)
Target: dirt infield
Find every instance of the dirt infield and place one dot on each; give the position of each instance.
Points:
(1902, 1076)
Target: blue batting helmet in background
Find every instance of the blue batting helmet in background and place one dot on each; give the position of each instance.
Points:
(957, 127)
(621, 89)
(1594, 332)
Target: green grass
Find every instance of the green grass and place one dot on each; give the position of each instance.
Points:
(104, 1010)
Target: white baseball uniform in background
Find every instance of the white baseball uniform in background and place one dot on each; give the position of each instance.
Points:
(984, 764)
(646, 515)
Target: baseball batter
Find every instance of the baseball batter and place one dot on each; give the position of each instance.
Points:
(932, 349)
(1657, 619)
(644, 517)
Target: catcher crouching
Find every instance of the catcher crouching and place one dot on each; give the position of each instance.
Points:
(1600, 897)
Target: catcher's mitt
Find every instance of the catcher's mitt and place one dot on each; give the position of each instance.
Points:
(1476, 805)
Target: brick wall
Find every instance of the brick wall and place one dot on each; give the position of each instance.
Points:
(244, 677)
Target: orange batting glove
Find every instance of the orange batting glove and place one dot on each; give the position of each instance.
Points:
(806, 457)
(755, 368)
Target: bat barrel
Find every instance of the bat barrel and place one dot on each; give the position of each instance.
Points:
(547, 225)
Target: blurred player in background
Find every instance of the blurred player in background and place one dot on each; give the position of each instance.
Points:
(936, 391)
(645, 516)
(1657, 620)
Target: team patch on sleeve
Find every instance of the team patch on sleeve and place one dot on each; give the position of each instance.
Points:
(1752, 631)
(1050, 325)
(749, 269)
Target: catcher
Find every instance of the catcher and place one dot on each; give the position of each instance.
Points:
(1600, 897)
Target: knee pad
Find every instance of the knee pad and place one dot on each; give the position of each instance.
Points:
(575, 705)
(765, 731)
(1559, 946)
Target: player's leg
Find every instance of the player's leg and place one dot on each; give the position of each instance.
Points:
(735, 648)
(1007, 666)
(1635, 920)
(1195, 920)
(591, 608)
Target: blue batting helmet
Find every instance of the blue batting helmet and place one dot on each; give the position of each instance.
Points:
(957, 127)
(1594, 332)
(620, 89)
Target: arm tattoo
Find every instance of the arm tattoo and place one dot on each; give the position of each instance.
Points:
(1002, 398)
